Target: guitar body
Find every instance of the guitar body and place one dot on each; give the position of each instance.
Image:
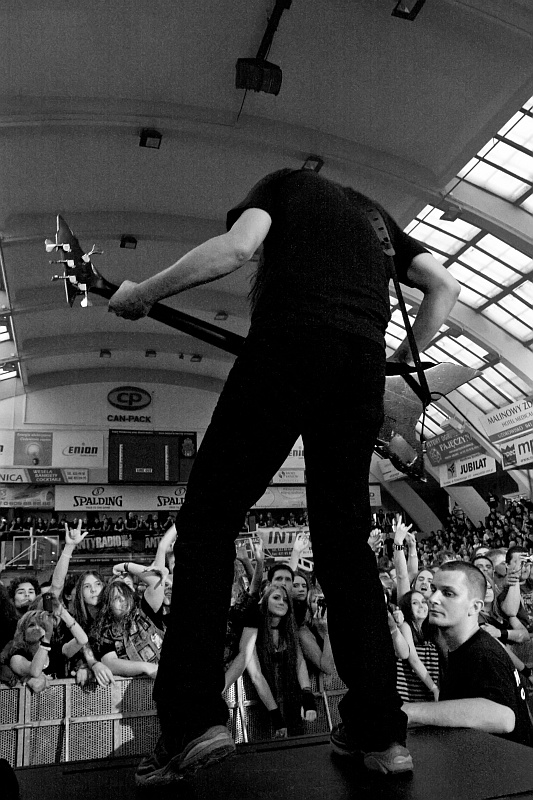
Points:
(403, 406)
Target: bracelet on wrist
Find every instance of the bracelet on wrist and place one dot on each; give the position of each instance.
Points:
(504, 636)
(45, 645)
(397, 546)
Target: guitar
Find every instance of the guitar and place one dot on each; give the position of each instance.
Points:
(397, 438)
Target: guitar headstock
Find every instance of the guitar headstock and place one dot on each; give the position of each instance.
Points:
(80, 275)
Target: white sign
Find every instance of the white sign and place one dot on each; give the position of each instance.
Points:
(510, 421)
(389, 471)
(289, 476)
(78, 449)
(517, 452)
(375, 494)
(283, 497)
(119, 498)
(295, 459)
(280, 541)
(466, 468)
(26, 497)
(7, 447)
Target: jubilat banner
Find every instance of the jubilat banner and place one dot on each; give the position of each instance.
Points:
(451, 446)
(119, 498)
(465, 469)
(509, 422)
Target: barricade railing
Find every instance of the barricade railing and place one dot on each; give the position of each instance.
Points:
(66, 722)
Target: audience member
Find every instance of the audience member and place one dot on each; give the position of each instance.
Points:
(479, 688)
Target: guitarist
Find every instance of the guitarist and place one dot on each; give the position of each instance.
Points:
(313, 364)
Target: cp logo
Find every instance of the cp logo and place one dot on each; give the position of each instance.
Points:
(129, 398)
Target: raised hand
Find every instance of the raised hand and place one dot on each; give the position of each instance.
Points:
(400, 530)
(301, 541)
(410, 539)
(74, 535)
(257, 547)
(375, 540)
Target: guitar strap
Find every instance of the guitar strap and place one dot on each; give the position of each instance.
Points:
(421, 389)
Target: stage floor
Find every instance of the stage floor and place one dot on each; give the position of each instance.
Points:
(449, 765)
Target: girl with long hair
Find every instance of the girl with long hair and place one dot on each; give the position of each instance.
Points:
(418, 675)
(270, 651)
(124, 637)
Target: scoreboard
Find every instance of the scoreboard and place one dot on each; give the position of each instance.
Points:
(150, 456)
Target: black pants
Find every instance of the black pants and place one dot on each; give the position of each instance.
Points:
(327, 386)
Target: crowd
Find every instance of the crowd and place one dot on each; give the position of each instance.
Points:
(150, 523)
(277, 630)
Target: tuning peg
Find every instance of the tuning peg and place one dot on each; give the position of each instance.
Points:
(50, 245)
(85, 302)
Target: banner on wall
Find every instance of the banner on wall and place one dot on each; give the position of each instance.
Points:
(518, 452)
(26, 497)
(295, 497)
(104, 497)
(42, 475)
(33, 449)
(101, 541)
(289, 476)
(389, 471)
(279, 542)
(466, 468)
(451, 446)
(7, 445)
(38, 449)
(78, 449)
(509, 422)
(295, 458)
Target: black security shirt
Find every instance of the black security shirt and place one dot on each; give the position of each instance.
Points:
(323, 262)
(480, 667)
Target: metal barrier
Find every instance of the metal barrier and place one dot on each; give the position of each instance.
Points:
(69, 723)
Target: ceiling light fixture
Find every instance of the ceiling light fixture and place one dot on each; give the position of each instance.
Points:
(128, 242)
(314, 163)
(105, 353)
(196, 358)
(221, 316)
(150, 354)
(408, 9)
(150, 138)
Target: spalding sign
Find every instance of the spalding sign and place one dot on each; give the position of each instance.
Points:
(129, 398)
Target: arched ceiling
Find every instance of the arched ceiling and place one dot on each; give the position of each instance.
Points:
(395, 108)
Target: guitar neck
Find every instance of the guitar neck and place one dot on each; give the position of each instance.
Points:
(205, 331)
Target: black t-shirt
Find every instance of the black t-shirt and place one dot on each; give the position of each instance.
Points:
(480, 667)
(323, 264)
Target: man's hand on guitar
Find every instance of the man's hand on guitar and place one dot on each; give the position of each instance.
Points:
(127, 302)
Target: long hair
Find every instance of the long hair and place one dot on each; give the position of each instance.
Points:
(420, 635)
(287, 642)
(27, 633)
(79, 606)
(106, 623)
